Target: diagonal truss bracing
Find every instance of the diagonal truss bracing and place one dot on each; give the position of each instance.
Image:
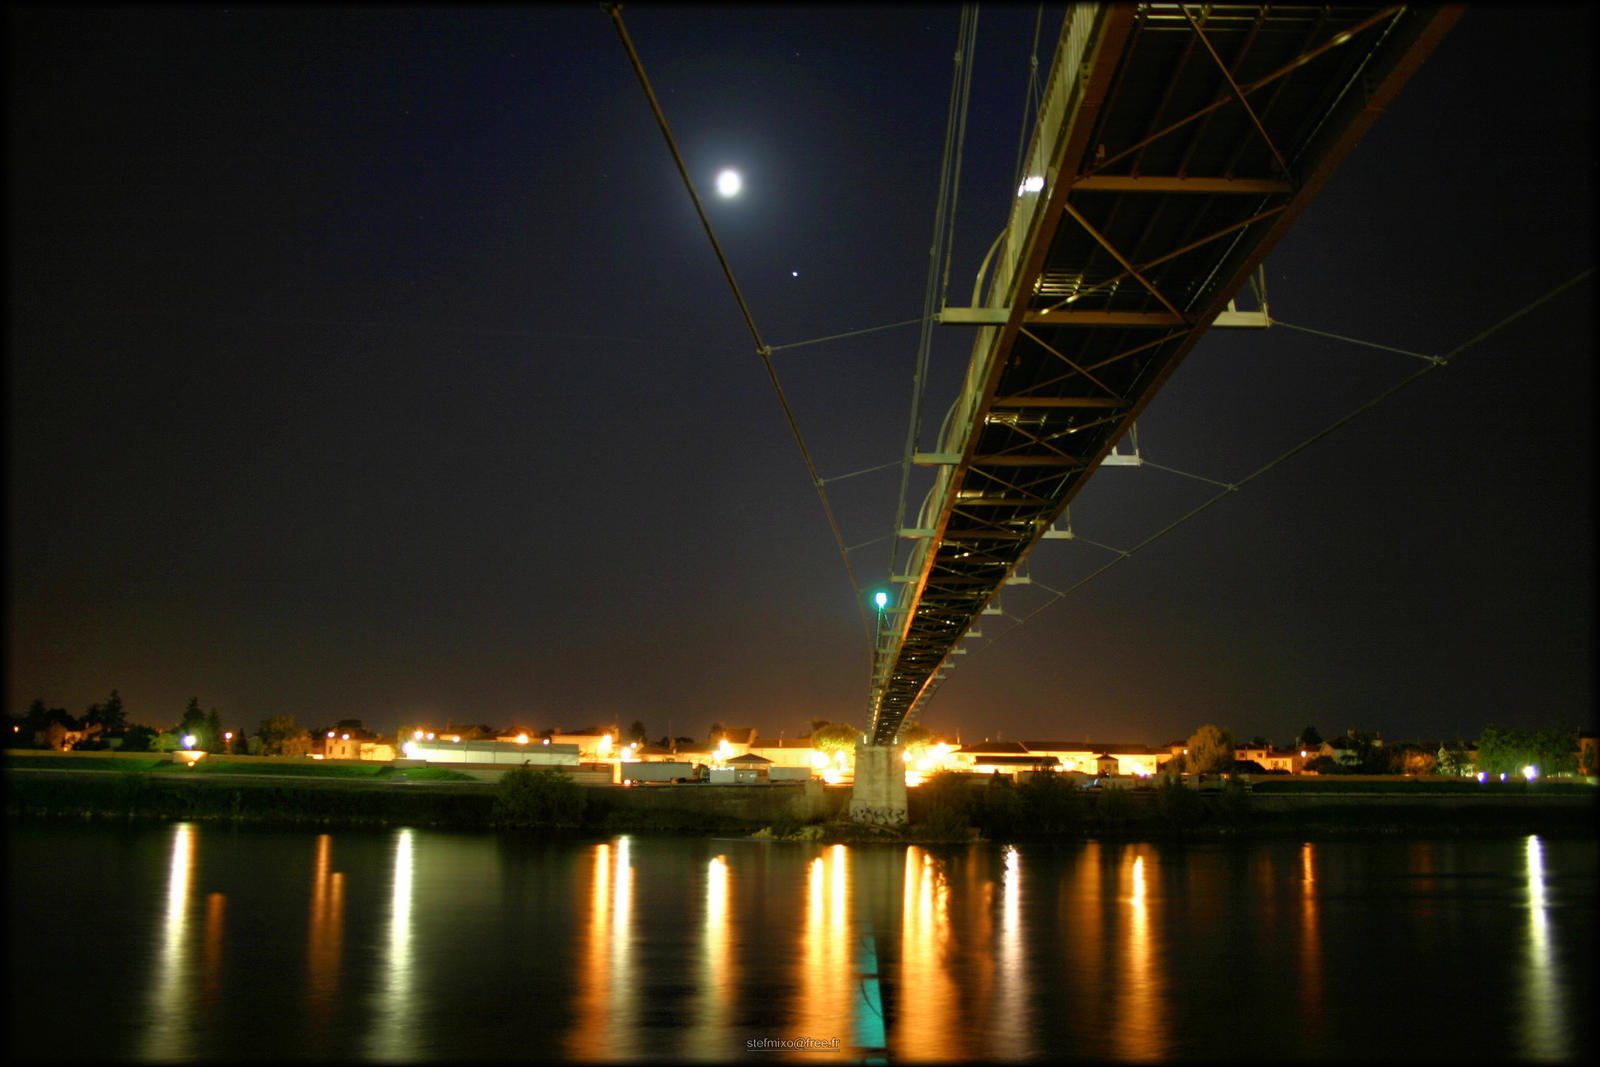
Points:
(1175, 146)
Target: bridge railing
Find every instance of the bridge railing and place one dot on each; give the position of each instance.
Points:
(1038, 170)
(1050, 127)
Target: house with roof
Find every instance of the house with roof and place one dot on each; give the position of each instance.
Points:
(748, 769)
(1251, 753)
(786, 751)
(1342, 750)
(1284, 760)
(1270, 758)
(731, 741)
(356, 743)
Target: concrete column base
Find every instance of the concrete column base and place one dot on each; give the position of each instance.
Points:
(879, 794)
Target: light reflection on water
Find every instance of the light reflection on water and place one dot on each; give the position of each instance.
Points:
(1140, 1018)
(1544, 1034)
(717, 963)
(325, 934)
(415, 944)
(926, 951)
(1310, 942)
(595, 995)
(1011, 970)
(826, 984)
(394, 1012)
(167, 1037)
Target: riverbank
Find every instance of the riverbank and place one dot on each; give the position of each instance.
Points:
(305, 794)
(465, 805)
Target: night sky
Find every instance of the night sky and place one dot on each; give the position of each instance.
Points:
(373, 363)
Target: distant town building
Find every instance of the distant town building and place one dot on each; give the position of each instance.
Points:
(734, 741)
(1094, 758)
(785, 752)
(356, 744)
(1101, 757)
(592, 748)
(1285, 760)
(532, 753)
(750, 768)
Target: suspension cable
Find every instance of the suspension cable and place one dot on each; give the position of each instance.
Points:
(954, 129)
(1410, 379)
(615, 11)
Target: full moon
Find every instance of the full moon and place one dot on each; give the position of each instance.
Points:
(729, 183)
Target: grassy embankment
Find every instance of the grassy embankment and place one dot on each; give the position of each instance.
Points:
(213, 766)
(101, 786)
(106, 785)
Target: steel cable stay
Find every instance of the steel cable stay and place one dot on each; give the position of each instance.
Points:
(874, 541)
(1357, 341)
(1434, 363)
(615, 12)
(1030, 103)
(969, 50)
(864, 470)
(842, 336)
(1143, 462)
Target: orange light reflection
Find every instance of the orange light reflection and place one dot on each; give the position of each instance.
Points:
(1143, 1021)
(215, 903)
(826, 998)
(1310, 943)
(718, 973)
(606, 1003)
(929, 1032)
(592, 1004)
(326, 932)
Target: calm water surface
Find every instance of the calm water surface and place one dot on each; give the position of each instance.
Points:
(187, 941)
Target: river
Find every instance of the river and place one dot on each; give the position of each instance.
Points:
(194, 941)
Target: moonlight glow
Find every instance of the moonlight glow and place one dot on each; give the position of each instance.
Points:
(729, 183)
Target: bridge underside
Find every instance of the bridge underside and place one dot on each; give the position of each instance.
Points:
(1176, 145)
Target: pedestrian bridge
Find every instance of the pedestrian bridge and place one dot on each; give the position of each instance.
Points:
(1175, 145)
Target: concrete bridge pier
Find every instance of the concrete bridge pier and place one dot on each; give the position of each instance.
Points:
(879, 794)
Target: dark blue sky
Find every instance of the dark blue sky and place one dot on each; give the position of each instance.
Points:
(373, 363)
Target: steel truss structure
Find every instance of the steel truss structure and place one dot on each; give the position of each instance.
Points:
(1176, 144)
